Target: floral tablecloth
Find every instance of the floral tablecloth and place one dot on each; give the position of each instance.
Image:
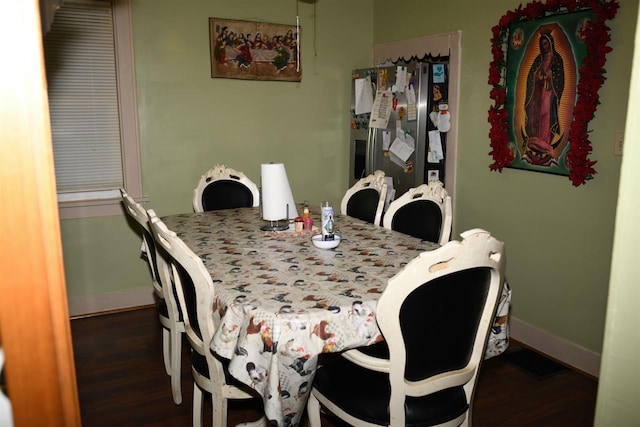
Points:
(285, 301)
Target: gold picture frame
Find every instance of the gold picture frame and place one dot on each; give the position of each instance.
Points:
(252, 50)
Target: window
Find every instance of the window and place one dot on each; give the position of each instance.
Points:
(89, 65)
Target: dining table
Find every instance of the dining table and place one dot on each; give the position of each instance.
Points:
(285, 302)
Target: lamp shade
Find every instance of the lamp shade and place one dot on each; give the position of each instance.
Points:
(276, 193)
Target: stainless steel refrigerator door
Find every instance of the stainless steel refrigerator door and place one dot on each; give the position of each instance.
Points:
(360, 147)
(367, 153)
(407, 174)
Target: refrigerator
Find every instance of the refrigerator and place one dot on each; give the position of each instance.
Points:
(399, 123)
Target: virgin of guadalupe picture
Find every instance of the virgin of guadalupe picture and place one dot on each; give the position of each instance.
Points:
(543, 58)
(542, 132)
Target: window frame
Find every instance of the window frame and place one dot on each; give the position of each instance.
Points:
(108, 203)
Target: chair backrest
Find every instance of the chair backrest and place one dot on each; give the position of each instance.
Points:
(222, 187)
(423, 212)
(365, 199)
(137, 212)
(192, 285)
(447, 296)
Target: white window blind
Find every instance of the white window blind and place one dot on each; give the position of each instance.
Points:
(83, 98)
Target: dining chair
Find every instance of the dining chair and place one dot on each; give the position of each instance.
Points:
(365, 199)
(435, 316)
(424, 212)
(196, 295)
(168, 312)
(222, 187)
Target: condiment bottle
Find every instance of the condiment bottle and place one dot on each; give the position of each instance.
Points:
(306, 220)
(307, 224)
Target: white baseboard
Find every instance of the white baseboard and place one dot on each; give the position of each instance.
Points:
(557, 348)
(93, 304)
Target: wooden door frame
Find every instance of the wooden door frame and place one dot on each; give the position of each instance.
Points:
(35, 329)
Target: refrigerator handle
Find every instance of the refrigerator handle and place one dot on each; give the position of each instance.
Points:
(371, 142)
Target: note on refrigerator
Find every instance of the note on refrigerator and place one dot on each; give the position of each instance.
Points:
(403, 147)
(401, 78)
(439, 74)
(435, 145)
(364, 95)
(386, 140)
(411, 104)
(381, 110)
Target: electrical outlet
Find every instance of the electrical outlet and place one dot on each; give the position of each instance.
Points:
(618, 143)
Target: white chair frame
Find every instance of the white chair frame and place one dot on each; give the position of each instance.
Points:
(222, 172)
(433, 191)
(376, 181)
(216, 385)
(477, 249)
(172, 327)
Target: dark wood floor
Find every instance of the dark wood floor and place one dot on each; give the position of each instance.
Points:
(122, 382)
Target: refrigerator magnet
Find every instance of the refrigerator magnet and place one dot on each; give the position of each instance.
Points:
(408, 168)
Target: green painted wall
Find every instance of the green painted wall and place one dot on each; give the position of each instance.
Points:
(619, 386)
(558, 237)
(189, 121)
(619, 381)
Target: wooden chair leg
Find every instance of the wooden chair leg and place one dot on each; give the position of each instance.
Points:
(176, 366)
(166, 349)
(313, 411)
(197, 406)
(219, 409)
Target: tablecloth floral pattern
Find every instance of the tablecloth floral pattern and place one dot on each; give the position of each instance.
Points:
(282, 302)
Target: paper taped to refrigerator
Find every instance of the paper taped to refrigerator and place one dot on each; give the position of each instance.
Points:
(403, 148)
(435, 145)
(364, 96)
(411, 104)
(386, 140)
(381, 109)
(401, 78)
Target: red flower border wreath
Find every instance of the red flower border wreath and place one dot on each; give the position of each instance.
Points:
(591, 79)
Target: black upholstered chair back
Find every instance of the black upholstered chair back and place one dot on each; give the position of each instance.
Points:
(424, 212)
(421, 218)
(226, 194)
(452, 323)
(190, 297)
(363, 205)
(365, 199)
(151, 254)
(222, 187)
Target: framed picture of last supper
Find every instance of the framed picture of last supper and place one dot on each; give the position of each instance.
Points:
(254, 50)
